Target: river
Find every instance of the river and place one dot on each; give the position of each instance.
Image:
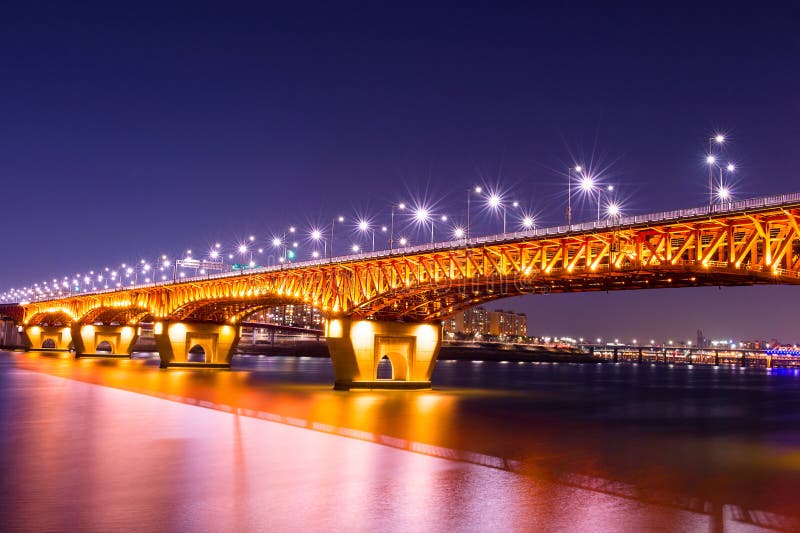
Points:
(103, 445)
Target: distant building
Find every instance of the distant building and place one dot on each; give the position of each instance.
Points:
(296, 315)
(702, 342)
(508, 323)
(481, 321)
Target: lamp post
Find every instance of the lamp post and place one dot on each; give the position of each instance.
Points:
(364, 227)
(730, 167)
(422, 215)
(333, 223)
(316, 236)
(496, 202)
(243, 252)
(711, 160)
(578, 169)
(401, 206)
(476, 190)
(527, 222)
(599, 194)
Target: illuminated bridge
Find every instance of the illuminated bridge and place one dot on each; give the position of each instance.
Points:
(392, 303)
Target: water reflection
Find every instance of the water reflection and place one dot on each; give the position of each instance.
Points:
(532, 446)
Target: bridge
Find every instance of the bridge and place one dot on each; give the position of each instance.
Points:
(392, 303)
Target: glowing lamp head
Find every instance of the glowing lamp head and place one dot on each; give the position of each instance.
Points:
(214, 254)
(494, 201)
(527, 222)
(276, 241)
(421, 214)
(711, 160)
(478, 190)
(724, 193)
(458, 232)
(355, 248)
(316, 235)
(718, 138)
(401, 206)
(578, 168)
(403, 241)
(340, 219)
(731, 167)
(252, 238)
(242, 249)
(363, 225)
(587, 184)
(613, 210)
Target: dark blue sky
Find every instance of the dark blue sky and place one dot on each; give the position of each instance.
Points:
(130, 131)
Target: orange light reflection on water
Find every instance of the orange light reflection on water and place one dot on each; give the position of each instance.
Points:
(555, 458)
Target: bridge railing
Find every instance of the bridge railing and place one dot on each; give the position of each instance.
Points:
(605, 224)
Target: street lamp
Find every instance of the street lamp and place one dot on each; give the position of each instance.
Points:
(401, 206)
(612, 210)
(527, 222)
(243, 252)
(364, 227)
(316, 236)
(422, 215)
(476, 190)
(711, 160)
(730, 167)
(340, 219)
(578, 169)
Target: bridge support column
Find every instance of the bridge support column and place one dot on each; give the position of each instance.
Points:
(10, 337)
(214, 344)
(357, 346)
(89, 337)
(54, 338)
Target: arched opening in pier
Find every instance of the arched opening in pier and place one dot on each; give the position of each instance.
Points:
(49, 344)
(385, 370)
(104, 347)
(196, 354)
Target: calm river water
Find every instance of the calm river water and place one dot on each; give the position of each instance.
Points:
(107, 445)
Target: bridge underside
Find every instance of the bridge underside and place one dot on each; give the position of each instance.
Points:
(433, 302)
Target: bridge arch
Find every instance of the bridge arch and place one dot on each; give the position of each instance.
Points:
(198, 353)
(48, 344)
(229, 310)
(105, 346)
(50, 318)
(117, 315)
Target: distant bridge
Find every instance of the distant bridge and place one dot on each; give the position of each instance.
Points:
(392, 303)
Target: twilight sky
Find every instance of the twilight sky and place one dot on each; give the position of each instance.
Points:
(128, 131)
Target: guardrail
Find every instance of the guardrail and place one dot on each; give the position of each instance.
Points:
(617, 222)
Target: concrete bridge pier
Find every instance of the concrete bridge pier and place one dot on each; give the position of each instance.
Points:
(53, 338)
(196, 344)
(358, 346)
(103, 341)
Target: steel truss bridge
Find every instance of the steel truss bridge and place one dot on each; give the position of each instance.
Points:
(376, 303)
